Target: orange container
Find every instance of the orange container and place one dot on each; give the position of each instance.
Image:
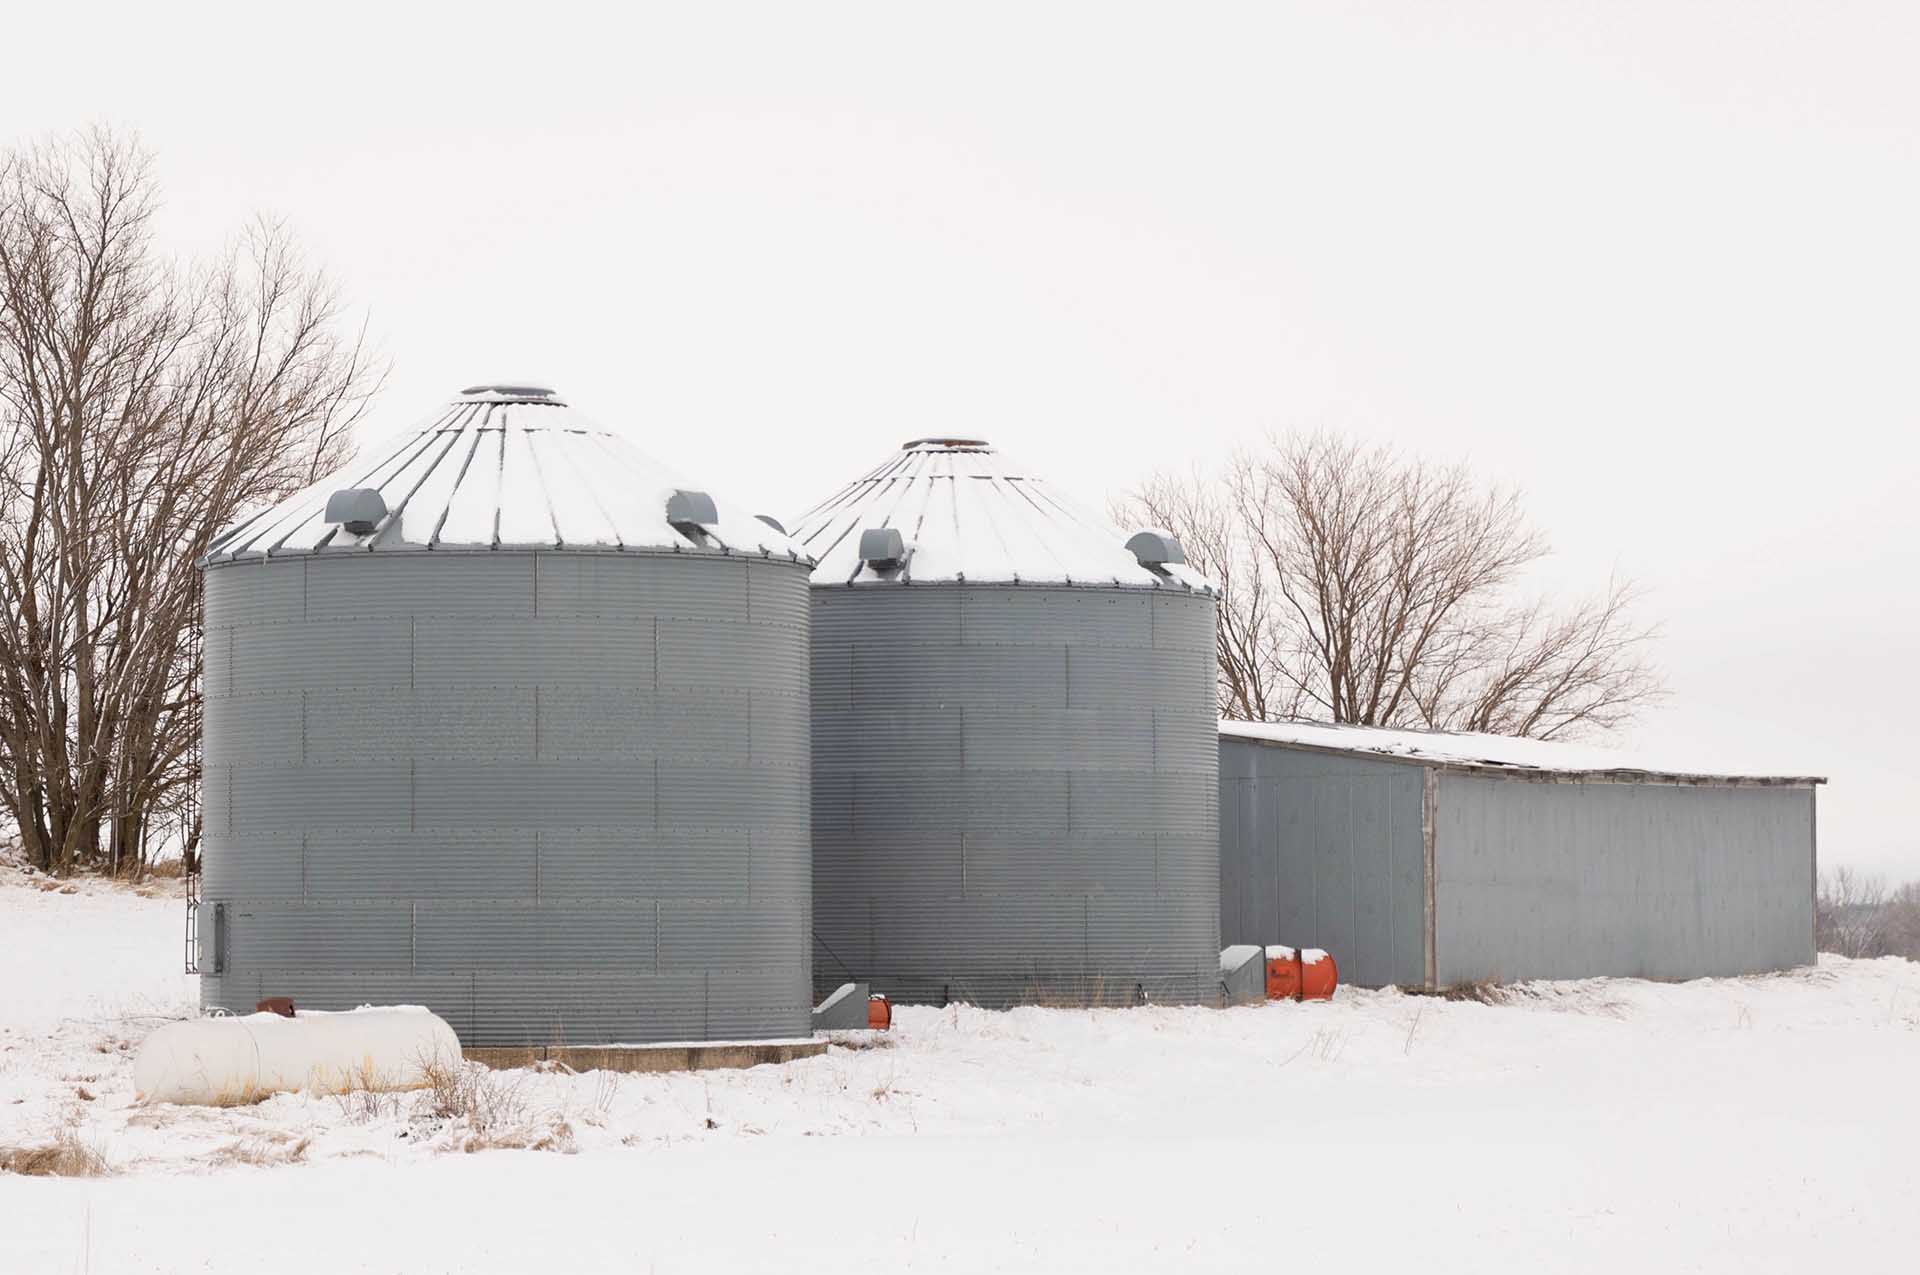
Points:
(1318, 975)
(1283, 974)
(879, 1013)
(1295, 975)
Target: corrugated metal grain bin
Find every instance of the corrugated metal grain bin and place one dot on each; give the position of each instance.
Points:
(506, 720)
(1428, 859)
(1014, 748)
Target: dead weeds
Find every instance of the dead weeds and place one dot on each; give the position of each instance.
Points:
(268, 1150)
(861, 1042)
(486, 1110)
(67, 1156)
(1560, 998)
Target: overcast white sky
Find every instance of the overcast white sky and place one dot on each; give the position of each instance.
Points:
(1659, 263)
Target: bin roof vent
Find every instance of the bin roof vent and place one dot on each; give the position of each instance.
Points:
(356, 510)
(1156, 548)
(881, 548)
(691, 509)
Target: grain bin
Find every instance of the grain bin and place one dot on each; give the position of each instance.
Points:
(508, 721)
(1015, 769)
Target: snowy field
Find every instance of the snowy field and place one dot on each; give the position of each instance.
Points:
(1767, 1124)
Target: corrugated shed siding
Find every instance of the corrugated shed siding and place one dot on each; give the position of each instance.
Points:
(1567, 880)
(554, 800)
(1323, 851)
(1014, 794)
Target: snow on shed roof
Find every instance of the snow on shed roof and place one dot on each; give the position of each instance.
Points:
(965, 513)
(1488, 752)
(503, 467)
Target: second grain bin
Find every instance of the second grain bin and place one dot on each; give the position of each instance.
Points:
(506, 720)
(1015, 758)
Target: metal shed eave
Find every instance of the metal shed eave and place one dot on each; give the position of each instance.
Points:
(1534, 775)
(211, 561)
(962, 582)
(1540, 775)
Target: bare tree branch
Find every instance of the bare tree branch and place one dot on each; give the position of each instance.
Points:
(1853, 914)
(141, 408)
(1359, 585)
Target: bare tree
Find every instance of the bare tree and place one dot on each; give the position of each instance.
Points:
(1252, 685)
(1850, 914)
(141, 408)
(1901, 922)
(1359, 585)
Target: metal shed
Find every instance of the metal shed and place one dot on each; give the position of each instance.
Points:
(1427, 859)
(507, 720)
(1014, 746)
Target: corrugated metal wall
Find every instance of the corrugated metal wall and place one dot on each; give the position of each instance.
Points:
(1015, 793)
(1568, 880)
(1324, 851)
(557, 797)
(1532, 879)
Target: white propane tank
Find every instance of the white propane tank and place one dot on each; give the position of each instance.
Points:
(231, 1060)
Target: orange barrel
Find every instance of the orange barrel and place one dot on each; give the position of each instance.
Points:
(879, 1012)
(1318, 976)
(1283, 973)
(1295, 975)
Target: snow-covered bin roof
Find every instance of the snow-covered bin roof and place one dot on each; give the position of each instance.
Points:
(504, 467)
(1491, 752)
(966, 514)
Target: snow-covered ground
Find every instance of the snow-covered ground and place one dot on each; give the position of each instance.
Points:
(1767, 1124)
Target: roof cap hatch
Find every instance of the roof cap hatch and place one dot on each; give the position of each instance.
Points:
(946, 445)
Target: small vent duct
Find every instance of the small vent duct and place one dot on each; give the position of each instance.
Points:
(358, 510)
(881, 548)
(1154, 548)
(692, 509)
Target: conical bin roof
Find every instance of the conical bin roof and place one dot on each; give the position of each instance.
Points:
(504, 467)
(967, 514)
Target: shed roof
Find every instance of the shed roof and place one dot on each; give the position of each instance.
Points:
(1490, 753)
(967, 514)
(503, 467)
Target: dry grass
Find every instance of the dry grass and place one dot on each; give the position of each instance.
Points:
(489, 1111)
(599, 1108)
(67, 1156)
(1486, 991)
(366, 1094)
(1574, 999)
(886, 1088)
(1799, 974)
(366, 1106)
(1406, 1047)
(240, 1095)
(1081, 993)
(860, 1042)
(474, 1106)
(473, 1093)
(268, 1150)
(1327, 1044)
